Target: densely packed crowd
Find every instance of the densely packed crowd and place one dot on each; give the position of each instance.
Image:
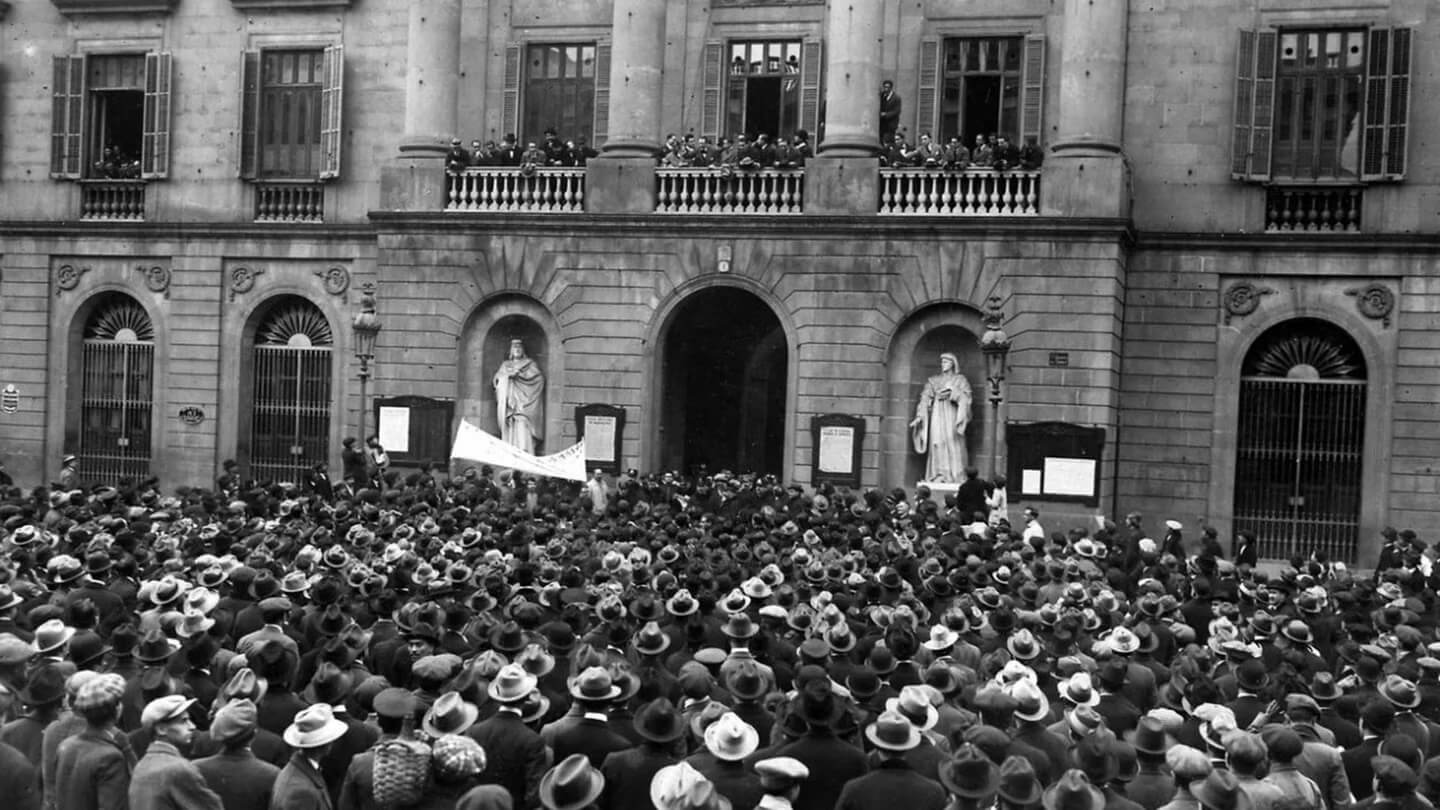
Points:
(652, 641)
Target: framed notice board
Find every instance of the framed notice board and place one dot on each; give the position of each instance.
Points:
(838, 440)
(602, 428)
(1054, 461)
(415, 431)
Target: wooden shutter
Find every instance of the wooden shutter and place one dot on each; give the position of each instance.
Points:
(812, 68)
(67, 118)
(602, 95)
(510, 109)
(249, 114)
(712, 76)
(1254, 105)
(1387, 104)
(927, 102)
(1032, 90)
(155, 141)
(332, 104)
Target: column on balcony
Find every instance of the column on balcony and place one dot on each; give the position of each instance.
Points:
(415, 180)
(622, 178)
(1086, 174)
(845, 177)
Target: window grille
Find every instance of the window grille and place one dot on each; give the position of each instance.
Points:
(117, 382)
(291, 398)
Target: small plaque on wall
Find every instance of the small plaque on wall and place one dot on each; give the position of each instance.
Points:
(602, 428)
(838, 441)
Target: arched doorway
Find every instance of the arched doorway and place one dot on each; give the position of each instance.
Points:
(291, 397)
(724, 370)
(1300, 441)
(116, 373)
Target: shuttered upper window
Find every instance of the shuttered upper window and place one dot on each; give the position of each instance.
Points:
(559, 86)
(1322, 105)
(754, 86)
(110, 116)
(291, 105)
(981, 85)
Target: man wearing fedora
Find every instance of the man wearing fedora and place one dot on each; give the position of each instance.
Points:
(1318, 760)
(164, 778)
(894, 783)
(628, 773)
(42, 697)
(832, 761)
(517, 755)
(591, 734)
(729, 741)
(300, 785)
(238, 777)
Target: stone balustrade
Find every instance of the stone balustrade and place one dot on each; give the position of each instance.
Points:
(289, 202)
(538, 190)
(112, 200)
(729, 191)
(973, 192)
(1332, 210)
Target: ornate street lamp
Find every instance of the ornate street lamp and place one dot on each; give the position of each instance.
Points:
(995, 345)
(366, 326)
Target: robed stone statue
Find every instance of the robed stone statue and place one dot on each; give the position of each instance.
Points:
(519, 399)
(941, 416)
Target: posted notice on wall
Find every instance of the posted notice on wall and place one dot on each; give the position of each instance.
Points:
(837, 449)
(394, 429)
(600, 438)
(1070, 476)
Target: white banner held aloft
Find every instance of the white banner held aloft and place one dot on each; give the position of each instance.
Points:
(474, 444)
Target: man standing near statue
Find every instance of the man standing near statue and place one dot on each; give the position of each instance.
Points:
(938, 429)
(520, 408)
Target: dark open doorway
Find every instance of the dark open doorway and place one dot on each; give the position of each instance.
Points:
(724, 373)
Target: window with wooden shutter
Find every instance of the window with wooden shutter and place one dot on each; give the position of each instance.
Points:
(249, 114)
(927, 107)
(602, 96)
(712, 74)
(155, 149)
(332, 95)
(561, 90)
(812, 68)
(67, 118)
(1387, 104)
(1254, 106)
(510, 107)
(1032, 90)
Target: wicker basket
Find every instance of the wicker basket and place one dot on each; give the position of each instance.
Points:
(402, 770)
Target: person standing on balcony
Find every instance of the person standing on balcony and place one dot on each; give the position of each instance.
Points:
(1031, 155)
(890, 106)
(457, 158)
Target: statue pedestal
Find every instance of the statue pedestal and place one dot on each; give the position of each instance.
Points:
(939, 490)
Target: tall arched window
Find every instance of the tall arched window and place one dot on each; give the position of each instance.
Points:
(117, 359)
(1301, 440)
(291, 397)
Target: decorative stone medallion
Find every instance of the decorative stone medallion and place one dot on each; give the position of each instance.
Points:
(1242, 298)
(242, 280)
(1375, 301)
(67, 277)
(335, 278)
(157, 278)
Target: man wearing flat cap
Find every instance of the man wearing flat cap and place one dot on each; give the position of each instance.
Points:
(242, 781)
(781, 778)
(94, 767)
(164, 778)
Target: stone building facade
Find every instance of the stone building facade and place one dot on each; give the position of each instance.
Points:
(1219, 289)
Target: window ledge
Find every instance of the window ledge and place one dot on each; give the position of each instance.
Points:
(280, 5)
(71, 7)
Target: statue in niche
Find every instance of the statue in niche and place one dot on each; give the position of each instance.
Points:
(938, 429)
(520, 406)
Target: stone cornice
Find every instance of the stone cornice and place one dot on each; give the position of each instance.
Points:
(1291, 243)
(77, 7)
(747, 226)
(282, 5)
(358, 233)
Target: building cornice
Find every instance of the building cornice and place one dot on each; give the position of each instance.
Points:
(95, 7)
(266, 232)
(1290, 243)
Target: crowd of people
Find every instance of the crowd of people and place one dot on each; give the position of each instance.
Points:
(993, 152)
(408, 639)
(549, 151)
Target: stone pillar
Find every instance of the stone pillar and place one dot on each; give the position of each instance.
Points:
(415, 179)
(1086, 174)
(432, 75)
(853, 32)
(845, 177)
(622, 179)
